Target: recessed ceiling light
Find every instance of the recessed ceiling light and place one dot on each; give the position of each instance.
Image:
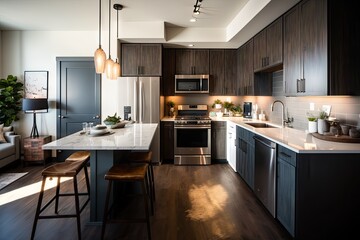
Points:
(191, 45)
(193, 20)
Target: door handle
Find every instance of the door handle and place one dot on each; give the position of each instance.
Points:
(61, 116)
(96, 117)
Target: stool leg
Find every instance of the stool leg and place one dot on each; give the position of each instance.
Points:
(106, 209)
(87, 179)
(57, 195)
(77, 207)
(152, 180)
(38, 208)
(146, 208)
(149, 191)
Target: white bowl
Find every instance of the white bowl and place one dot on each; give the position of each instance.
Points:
(219, 114)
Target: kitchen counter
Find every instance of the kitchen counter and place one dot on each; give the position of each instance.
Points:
(297, 140)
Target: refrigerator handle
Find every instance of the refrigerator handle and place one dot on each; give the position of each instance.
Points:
(142, 104)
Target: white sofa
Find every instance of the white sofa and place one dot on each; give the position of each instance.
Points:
(9, 151)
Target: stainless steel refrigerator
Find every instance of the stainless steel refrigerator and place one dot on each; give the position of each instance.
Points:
(139, 99)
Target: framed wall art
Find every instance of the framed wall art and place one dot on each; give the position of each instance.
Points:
(36, 84)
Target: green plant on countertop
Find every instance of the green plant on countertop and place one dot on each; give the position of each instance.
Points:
(236, 109)
(112, 119)
(228, 105)
(323, 115)
(217, 101)
(170, 104)
(10, 99)
(311, 117)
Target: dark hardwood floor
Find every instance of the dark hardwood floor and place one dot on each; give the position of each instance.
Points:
(192, 202)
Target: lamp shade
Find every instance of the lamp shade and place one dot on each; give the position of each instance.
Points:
(32, 104)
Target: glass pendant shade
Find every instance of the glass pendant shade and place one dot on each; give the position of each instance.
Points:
(99, 59)
(116, 70)
(108, 68)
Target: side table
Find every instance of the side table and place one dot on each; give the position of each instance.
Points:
(33, 149)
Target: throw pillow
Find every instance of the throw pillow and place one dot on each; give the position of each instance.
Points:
(2, 138)
(5, 129)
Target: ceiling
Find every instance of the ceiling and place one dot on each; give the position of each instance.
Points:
(221, 23)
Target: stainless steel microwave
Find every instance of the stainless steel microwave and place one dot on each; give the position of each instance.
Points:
(191, 83)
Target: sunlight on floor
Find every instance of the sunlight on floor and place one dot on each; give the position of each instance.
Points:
(207, 203)
(28, 190)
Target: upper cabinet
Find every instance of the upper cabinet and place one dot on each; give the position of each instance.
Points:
(168, 72)
(245, 69)
(192, 61)
(268, 47)
(321, 49)
(223, 74)
(141, 59)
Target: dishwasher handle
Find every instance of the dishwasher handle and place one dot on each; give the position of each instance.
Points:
(265, 142)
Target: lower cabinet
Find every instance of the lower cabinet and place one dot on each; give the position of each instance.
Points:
(286, 173)
(167, 141)
(218, 138)
(231, 144)
(245, 155)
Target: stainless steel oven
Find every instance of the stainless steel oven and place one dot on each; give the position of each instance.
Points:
(192, 136)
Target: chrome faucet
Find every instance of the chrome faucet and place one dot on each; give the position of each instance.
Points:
(282, 111)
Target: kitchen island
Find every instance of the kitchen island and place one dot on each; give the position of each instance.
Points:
(106, 150)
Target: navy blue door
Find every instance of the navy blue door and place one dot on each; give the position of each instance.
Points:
(78, 97)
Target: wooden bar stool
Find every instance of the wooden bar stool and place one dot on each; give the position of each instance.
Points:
(127, 172)
(145, 157)
(82, 156)
(64, 169)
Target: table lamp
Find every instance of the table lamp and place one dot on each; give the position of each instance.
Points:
(34, 104)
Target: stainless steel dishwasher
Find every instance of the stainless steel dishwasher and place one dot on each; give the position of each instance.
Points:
(265, 172)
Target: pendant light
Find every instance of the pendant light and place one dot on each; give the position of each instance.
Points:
(99, 56)
(109, 62)
(116, 67)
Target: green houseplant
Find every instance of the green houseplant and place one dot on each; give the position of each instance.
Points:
(10, 99)
(217, 104)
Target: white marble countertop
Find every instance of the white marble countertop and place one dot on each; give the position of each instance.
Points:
(296, 140)
(131, 137)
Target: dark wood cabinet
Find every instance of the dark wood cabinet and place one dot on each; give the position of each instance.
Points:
(321, 49)
(218, 138)
(305, 49)
(268, 47)
(192, 61)
(167, 141)
(141, 59)
(245, 69)
(168, 75)
(223, 72)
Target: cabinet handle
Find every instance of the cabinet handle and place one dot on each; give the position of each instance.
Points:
(303, 85)
(285, 155)
(298, 85)
(267, 61)
(96, 117)
(61, 116)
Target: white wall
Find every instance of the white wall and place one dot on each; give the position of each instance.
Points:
(37, 50)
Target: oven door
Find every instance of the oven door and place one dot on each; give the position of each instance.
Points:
(192, 144)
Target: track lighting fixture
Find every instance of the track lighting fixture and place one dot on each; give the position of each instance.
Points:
(197, 7)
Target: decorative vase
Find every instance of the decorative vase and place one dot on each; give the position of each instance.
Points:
(323, 126)
(171, 112)
(312, 126)
(218, 106)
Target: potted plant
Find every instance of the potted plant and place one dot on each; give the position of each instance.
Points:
(171, 106)
(217, 104)
(227, 106)
(323, 126)
(112, 120)
(10, 99)
(237, 110)
(312, 124)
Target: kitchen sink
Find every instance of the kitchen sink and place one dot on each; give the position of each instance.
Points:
(261, 125)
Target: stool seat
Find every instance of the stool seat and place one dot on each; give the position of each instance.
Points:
(126, 172)
(79, 156)
(64, 169)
